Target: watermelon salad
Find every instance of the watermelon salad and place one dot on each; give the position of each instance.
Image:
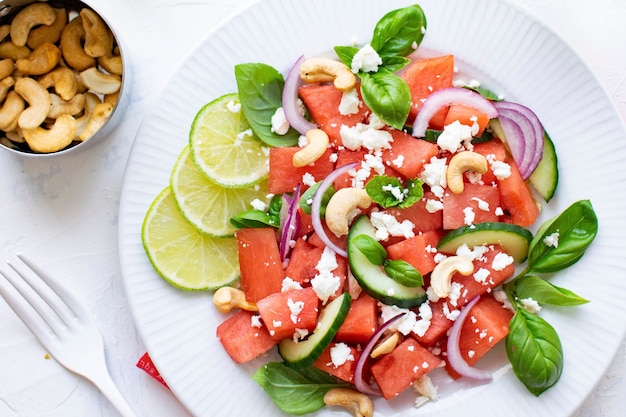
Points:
(400, 236)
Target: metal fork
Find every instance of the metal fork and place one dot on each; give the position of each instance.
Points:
(62, 325)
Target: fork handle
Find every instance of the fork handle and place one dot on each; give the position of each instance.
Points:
(106, 385)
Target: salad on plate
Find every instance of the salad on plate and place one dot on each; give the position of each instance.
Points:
(371, 218)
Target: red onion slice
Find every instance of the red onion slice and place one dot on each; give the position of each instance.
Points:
(526, 139)
(446, 97)
(359, 381)
(316, 218)
(291, 107)
(455, 359)
(291, 223)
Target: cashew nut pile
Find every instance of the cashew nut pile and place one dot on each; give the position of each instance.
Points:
(60, 77)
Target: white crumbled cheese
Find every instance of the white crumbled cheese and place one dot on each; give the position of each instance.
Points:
(258, 204)
(500, 169)
(302, 141)
(481, 275)
(365, 135)
(387, 225)
(498, 211)
(552, 240)
(469, 216)
(325, 283)
(454, 136)
(366, 60)
(450, 314)
(290, 284)
(255, 321)
(530, 305)
(431, 295)
(299, 334)
(242, 135)
(426, 389)
(501, 297)
(422, 325)
(434, 175)
(350, 102)
(277, 323)
(471, 353)
(398, 162)
(340, 354)
(280, 125)
(455, 293)
(308, 179)
(501, 261)
(333, 157)
(476, 253)
(433, 206)
(233, 107)
(371, 162)
(295, 308)
(482, 204)
(397, 192)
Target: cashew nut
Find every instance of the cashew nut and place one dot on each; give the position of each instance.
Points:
(91, 100)
(11, 50)
(38, 100)
(48, 33)
(14, 136)
(342, 207)
(63, 80)
(5, 30)
(7, 66)
(29, 17)
(10, 111)
(459, 164)
(111, 63)
(227, 298)
(316, 146)
(58, 137)
(319, 70)
(41, 60)
(98, 39)
(5, 86)
(441, 276)
(72, 45)
(359, 404)
(387, 345)
(99, 116)
(58, 106)
(100, 82)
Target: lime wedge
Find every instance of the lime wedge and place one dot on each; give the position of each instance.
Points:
(182, 255)
(224, 146)
(206, 205)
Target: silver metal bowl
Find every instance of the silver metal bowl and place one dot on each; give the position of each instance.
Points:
(8, 9)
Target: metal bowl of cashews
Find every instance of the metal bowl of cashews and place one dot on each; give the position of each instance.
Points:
(63, 77)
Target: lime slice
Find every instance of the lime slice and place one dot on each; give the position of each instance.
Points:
(206, 205)
(224, 146)
(182, 255)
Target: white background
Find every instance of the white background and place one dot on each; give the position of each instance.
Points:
(64, 211)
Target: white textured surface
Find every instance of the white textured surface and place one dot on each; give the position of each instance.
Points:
(65, 212)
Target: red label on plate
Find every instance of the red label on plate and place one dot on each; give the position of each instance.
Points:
(145, 363)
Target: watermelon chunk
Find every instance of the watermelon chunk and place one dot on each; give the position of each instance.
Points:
(284, 312)
(242, 339)
(343, 371)
(473, 199)
(284, 177)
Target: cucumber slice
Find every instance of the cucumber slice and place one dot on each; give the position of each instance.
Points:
(373, 278)
(545, 178)
(514, 239)
(304, 353)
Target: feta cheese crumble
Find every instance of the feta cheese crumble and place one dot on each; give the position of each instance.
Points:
(552, 240)
(349, 103)
(366, 60)
(280, 125)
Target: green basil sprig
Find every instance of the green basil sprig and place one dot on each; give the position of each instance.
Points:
(260, 88)
(307, 198)
(258, 218)
(380, 186)
(533, 345)
(396, 35)
(295, 391)
(399, 270)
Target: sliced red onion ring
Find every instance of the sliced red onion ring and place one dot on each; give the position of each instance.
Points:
(290, 103)
(359, 381)
(524, 135)
(446, 97)
(455, 359)
(291, 223)
(316, 218)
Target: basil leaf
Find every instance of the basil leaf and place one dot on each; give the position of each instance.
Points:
(394, 63)
(414, 191)
(307, 198)
(346, 53)
(534, 350)
(389, 192)
(403, 273)
(254, 219)
(576, 227)
(400, 31)
(488, 94)
(370, 248)
(275, 206)
(387, 95)
(260, 88)
(295, 391)
(544, 292)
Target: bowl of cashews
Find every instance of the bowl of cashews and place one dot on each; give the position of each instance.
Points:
(63, 77)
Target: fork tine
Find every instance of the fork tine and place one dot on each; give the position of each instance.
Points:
(25, 311)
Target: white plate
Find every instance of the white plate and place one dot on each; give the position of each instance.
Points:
(499, 45)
